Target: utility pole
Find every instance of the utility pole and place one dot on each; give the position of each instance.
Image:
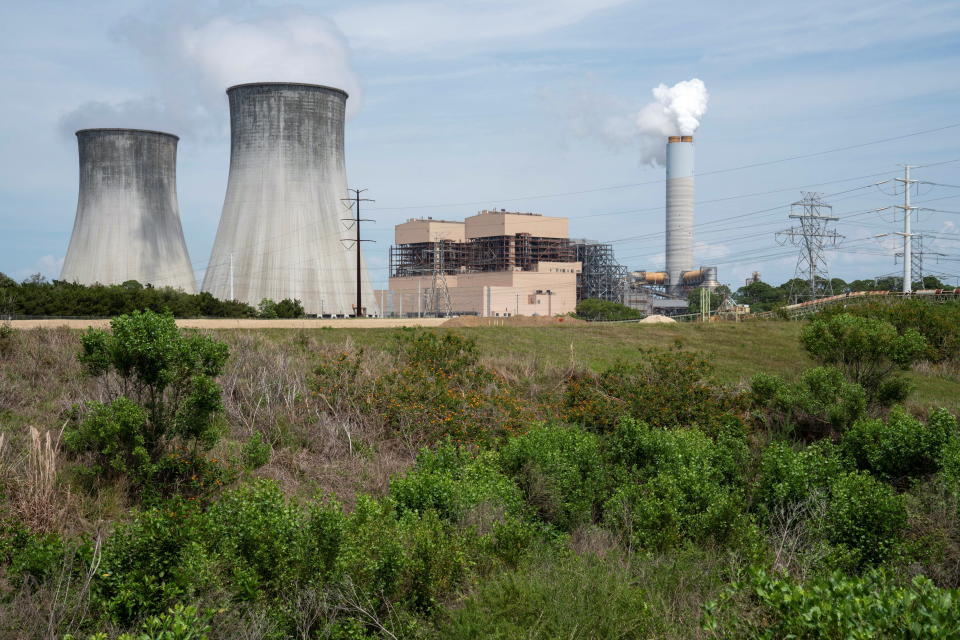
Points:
(232, 297)
(355, 204)
(812, 236)
(907, 248)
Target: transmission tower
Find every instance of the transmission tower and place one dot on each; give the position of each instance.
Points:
(916, 257)
(438, 297)
(812, 236)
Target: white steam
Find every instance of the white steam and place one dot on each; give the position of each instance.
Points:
(192, 60)
(675, 110)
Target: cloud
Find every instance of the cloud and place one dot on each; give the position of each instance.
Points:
(192, 57)
(48, 266)
(452, 28)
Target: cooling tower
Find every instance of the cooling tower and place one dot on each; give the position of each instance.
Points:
(679, 247)
(281, 230)
(128, 222)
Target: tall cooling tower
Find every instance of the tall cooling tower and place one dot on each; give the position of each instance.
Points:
(679, 208)
(128, 222)
(281, 231)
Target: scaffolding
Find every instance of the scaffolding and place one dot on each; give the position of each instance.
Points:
(520, 252)
(601, 276)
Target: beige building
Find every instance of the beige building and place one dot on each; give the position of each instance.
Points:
(493, 264)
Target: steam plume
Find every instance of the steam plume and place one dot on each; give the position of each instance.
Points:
(192, 59)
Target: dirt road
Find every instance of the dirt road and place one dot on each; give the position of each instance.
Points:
(248, 323)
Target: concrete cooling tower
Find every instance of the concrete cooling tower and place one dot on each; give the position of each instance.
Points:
(281, 231)
(679, 247)
(128, 222)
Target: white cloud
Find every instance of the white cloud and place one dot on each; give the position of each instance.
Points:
(48, 266)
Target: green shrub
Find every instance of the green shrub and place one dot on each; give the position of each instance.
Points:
(789, 477)
(260, 538)
(596, 309)
(560, 470)
(454, 483)
(835, 607)
(154, 562)
(438, 391)
(177, 623)
(414, 559)
(900, 446)
(29, 556)
(865, 518)
(166, 396)
(286, 308)
(676, 488)
(255, 452)
(7, 337)
(820, 401)
(868, 351)
(664, 389)
(564, 598)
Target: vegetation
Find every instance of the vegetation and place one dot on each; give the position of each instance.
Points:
(300, 485)
(596, 309)
(762, 296)
(37, 297)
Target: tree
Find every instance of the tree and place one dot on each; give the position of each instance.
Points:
(162, 394)
(717, 297)
(868, 351)
(288, 308)
(760, 296)
(596, 309)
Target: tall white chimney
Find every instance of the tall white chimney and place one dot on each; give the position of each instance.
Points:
(679, 247)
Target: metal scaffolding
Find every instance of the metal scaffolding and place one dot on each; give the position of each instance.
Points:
(600, 276)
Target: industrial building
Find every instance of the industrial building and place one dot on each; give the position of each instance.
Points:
(493, 264)
(127, 225)
(283, 231)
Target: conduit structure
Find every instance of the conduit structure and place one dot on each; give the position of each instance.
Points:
(679, 246)
(282, 228)
(127, 225)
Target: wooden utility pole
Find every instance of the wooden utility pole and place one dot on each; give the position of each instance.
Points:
(356, 220)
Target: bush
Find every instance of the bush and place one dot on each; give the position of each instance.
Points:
(566, 598)
(255, 452)
(867, 350)
(596, 309)
(152, 563)
(676, 488)
(900, 446)
(789, 477)
(29, 556)
(819, 402)
(177, 623)
(439, 390)
(166, 396)
(835, 607)
(664, 389)
(560, 470)
(864, 518)
(286, 308)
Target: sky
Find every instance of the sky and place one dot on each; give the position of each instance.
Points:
(524, 105)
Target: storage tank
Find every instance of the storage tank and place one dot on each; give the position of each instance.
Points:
(679, 221)
(127, 225)
(281, 232)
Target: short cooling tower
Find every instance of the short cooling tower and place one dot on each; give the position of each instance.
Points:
(281, 232)
(679, 247)
(128, 222)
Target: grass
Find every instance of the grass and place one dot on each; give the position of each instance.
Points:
(738, 351)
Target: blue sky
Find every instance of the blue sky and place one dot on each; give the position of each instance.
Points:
(459, 106)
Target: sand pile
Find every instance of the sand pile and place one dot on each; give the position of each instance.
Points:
(657, 319)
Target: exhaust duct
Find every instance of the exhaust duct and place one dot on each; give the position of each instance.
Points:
(281, 229)
(127, 225)
(679, 245)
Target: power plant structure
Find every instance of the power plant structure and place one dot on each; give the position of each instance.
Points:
(496, 264)
(666, 291)
(127, 225)
(282, 230)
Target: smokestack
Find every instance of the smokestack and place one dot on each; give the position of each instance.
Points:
(128, 222)
(281, 229)
(679, 247)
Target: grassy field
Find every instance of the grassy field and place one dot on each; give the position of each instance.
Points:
(738, 351)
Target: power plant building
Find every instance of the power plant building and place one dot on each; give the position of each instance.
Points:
(493, 264)
(282, 231)
(127, 225)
